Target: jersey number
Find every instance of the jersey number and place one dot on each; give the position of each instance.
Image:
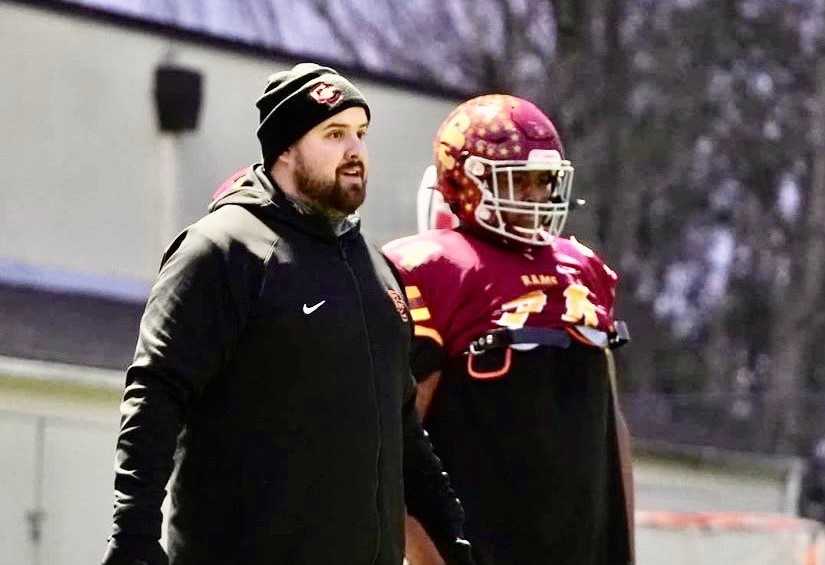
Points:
(517, 311)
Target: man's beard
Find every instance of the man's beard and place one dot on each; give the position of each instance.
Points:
(329, 197)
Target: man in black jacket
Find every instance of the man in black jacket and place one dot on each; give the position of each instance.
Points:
(271, 369)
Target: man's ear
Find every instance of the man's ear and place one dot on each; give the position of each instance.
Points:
(284, 161)
(287, 156)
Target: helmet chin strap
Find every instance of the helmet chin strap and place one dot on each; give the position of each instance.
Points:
(538, 236)
(529, 231)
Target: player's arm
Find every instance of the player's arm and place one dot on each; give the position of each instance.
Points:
(420, 549)
(426, 390)
(626, 462)
(427, 492)
(424, 512)
(608, 281)
(427, 352)
(189, 322)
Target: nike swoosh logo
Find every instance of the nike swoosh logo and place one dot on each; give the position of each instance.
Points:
(310, 309)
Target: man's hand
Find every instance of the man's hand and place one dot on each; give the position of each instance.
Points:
(134, 552)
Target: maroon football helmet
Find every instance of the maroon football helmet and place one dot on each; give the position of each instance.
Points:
(482, 146)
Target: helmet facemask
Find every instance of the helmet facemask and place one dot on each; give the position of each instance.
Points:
(547, 217)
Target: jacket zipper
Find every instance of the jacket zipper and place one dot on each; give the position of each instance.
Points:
(375, 398)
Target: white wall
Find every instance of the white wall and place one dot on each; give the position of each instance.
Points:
(56, 455)
(17, 488)
(83, 161)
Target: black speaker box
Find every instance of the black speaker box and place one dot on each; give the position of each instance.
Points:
(178, 94)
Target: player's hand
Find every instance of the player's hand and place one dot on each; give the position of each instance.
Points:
(131, 551)
(459, 553)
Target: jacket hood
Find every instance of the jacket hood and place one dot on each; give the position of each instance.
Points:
(252, 188)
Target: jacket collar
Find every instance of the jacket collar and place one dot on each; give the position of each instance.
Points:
(254, 189)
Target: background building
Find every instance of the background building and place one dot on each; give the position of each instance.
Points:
(93, 192)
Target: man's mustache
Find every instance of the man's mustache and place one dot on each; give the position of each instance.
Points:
(351, 165)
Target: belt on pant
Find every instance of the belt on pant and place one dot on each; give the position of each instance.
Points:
(505, 337)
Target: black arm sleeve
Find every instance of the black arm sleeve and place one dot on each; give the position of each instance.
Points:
(427, 491)
(426, 357)
(187, 330)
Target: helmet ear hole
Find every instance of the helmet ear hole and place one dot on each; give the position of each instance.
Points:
(475, 167)
(484, 213)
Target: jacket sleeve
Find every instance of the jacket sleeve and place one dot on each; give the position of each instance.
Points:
(188, 328)
(427, 491)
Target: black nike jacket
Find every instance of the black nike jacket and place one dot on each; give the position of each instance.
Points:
(271, 380)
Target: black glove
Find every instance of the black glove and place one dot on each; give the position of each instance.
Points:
(458, 552)
(124, 550)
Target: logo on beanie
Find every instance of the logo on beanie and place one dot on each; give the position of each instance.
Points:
(325, 93)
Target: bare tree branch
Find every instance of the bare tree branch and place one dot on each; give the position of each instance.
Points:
(346, 40)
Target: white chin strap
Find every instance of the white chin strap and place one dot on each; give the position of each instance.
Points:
(548, 218)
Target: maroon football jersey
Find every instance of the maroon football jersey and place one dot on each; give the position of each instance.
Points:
(460, 287)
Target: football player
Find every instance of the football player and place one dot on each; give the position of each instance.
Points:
(514, 328)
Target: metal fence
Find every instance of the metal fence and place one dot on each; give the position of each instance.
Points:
(758, 423)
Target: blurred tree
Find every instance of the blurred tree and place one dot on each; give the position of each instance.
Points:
(485, 45)
(696, 128)
(740, 249)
